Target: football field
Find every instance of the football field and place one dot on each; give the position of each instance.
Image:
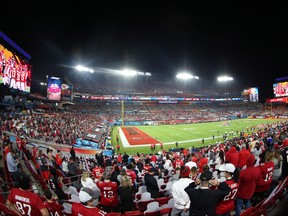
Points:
(188, 135)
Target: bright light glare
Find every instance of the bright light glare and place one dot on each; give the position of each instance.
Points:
(84, 69)
(186, 76)
(127, 72)
(224, 78)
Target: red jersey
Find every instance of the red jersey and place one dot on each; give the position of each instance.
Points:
(178, 163)
(80, 210)
(54, 208)
(97, 172)
(108, 193)
(227, 204)
(26, 202)
(132, 175)
(266, 169)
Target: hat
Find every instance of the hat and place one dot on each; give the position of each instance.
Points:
(184, 172)
(206, 175)
(85, 194)
(228, 167)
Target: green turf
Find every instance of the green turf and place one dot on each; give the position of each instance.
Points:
(188, 135)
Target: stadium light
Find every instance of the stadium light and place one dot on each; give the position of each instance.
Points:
(130, 73)
(84, 69)
(224, 78)
(186, 76)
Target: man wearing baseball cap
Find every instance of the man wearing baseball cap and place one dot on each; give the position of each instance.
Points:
(87, 205)
(203, 199)
(226, 205)
(181, 198)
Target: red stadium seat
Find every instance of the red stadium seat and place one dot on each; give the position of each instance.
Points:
(165, 211)
(134, 213)
(114, 214)
(156, 213)
(162, 200)
(4, 210)
(142, 205)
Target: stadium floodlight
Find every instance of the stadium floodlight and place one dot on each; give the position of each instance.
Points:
(224, 78)
(128, 72)
(43, 84)
(84, 69)
(186, 76)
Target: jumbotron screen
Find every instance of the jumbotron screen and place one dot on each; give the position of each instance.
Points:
(54, 88)
(251, 95)
(280, 89)
(14, 71)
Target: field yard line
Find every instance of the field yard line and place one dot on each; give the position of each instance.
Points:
(125, 142)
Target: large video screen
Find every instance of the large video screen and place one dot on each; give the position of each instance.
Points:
(54, 88)
(66, 92)
(251, 95)
(14, 71)
(280, 89)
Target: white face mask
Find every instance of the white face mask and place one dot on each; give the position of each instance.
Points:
(222, 174)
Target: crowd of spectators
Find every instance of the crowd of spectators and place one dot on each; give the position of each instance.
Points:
(243, 170)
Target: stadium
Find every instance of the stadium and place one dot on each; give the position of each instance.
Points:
(146, 121)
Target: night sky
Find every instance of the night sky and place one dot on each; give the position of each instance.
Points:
(248, 43)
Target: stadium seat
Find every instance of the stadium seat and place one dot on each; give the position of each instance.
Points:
(134, 213)
(4, 210)
(170, 203)
(162, 200)
(72, 190)
(165, 211)
(152, 207)
(67, 208)
(251, 211)
(114, 214)
(142, 205)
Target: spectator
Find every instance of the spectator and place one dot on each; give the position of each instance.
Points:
(87, 181)
(266, 169)
(176, 175)
(28, 203)
(181, 198)
(243, 156)
(232, 156)
(73, 169)
(125, 158)
(277, 159)
(12, 165)
(284, 154)
(56, 184)
(43, 165)
(248, 180)
(72, 153)
(108, 193)
(52, 204)
(126, 194)
(203, 199)
(226, 206)
(87, 205)
(151, 182)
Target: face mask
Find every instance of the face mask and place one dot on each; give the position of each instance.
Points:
(222, 174)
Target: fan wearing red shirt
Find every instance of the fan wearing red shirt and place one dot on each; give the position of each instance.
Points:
(178, 162)
(53, 206)
(108, 193)
(87, 205)
(131, 174)
(97, 172)
(24, 202)
(266, 169)
(227, 204)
